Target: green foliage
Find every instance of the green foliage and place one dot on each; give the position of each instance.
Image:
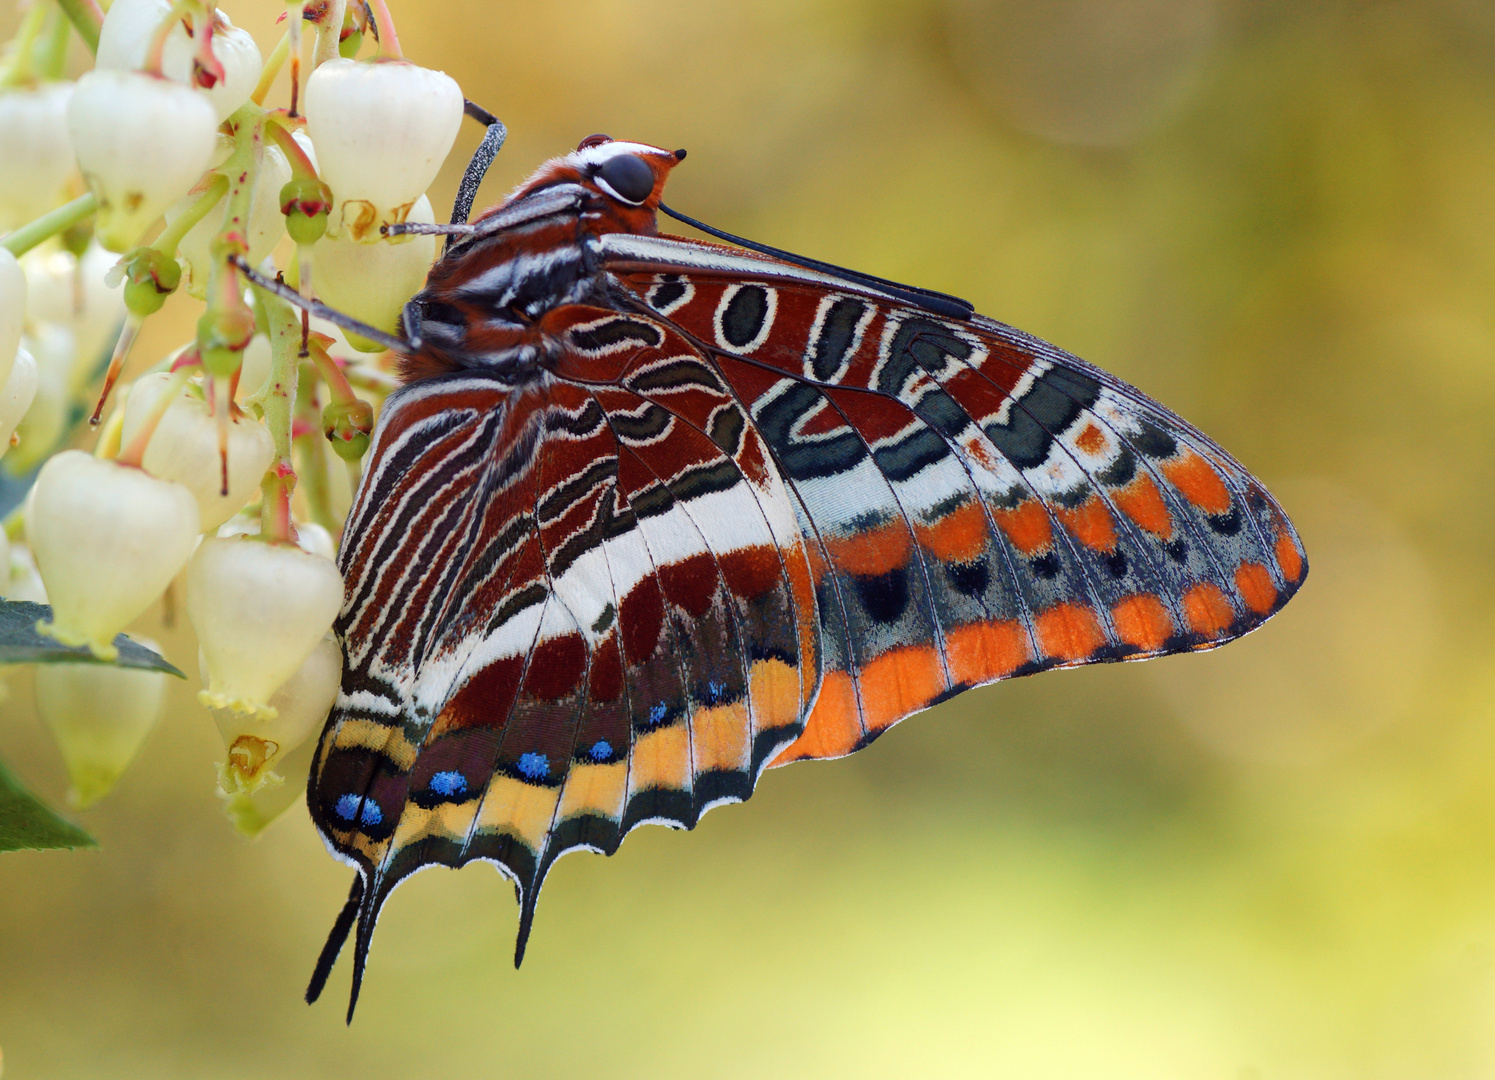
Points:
(21, 644)
(28, 823)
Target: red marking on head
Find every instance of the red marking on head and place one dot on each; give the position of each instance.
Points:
(899, 682)
(691, 583)
(1254, 583)
(1207, 609)
(871, 553)
(1143, 503)
(594, 140)
(1288, 557)
(1027, 526)
(1090, 523)
(958, 537)
(1199, 482)
(1143, 621)
(640, 620)
(751, 572)
(1068, 632)
(1092, 440)
(984, 651)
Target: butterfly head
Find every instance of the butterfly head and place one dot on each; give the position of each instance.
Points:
(624, 181)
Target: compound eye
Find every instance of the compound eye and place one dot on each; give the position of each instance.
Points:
(629, 177)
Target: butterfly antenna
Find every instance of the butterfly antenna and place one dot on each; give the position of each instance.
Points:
(335, 941)
(477, 168)
(952, 307)
(319, 309)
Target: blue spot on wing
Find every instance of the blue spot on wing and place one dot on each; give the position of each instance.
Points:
(601, 750)
(346, 807)
(449, 783)
(657, 713)
(715, 692)
(534, 766)
(371, 815)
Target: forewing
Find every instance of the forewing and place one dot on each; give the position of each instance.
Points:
(987, 505)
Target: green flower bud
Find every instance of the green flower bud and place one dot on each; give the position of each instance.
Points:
(305, 201)
(150, 277)
(222, 336)
(347, 425)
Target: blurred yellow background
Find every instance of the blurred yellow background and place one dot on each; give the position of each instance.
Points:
(1273, 861)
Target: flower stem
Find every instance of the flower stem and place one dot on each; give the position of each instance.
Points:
(329, 32)
(277, 402)
(389, 41)
(20, 64)
(87, 17)
(51, 50)
(172, 235)
(49, 225)
(273, 63)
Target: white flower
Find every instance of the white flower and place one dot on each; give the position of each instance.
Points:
(373, 282)
(44, 422)
(99, 714)
(16, 395)
(259, 610)
(382, 129)
(36, 157)
(141, 142)
(108, 539)
(69, 291)
(131, 25)
(257, 744)
(184, 448)
(12, 308)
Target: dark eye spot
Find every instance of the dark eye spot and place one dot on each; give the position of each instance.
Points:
(628, 176)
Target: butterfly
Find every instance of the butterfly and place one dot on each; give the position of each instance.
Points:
(650, 515)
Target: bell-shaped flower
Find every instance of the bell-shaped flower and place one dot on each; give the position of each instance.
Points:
(130, 28)
(16, 396)
(12, 308)
(251, 812)
(382, 128)
(108, 538)
(141, 142)
(310, 537)
(184, 448)
(259, 609)
(99, 714)
(258, 744)
(45, 423)
(36, 158)
(266, 222)
(72, 291)
(373, 282)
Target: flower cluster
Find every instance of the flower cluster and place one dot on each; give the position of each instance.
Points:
(163, 171)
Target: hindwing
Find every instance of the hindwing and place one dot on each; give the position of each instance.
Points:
(743, 514)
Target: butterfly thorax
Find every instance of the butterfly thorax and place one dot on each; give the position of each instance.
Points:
(492, 302)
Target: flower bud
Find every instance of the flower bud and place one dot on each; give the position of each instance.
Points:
(259, 609)
(257, 744)
(266, 225)
(71, 291)
(184, 448)
(130, 27)
(373, 282)
(36, 158)
(108, 539)
(382, 129)
(150, 277)
(347, 426)
(305, 201)
(99, 714)
(16, 396)
(12, 308)
(223, 334)
(310, 537)
(141, 142)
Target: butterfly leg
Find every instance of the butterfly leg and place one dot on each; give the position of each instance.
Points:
(477, 168)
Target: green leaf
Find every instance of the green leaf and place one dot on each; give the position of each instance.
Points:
(27, 822)
(21, 644)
